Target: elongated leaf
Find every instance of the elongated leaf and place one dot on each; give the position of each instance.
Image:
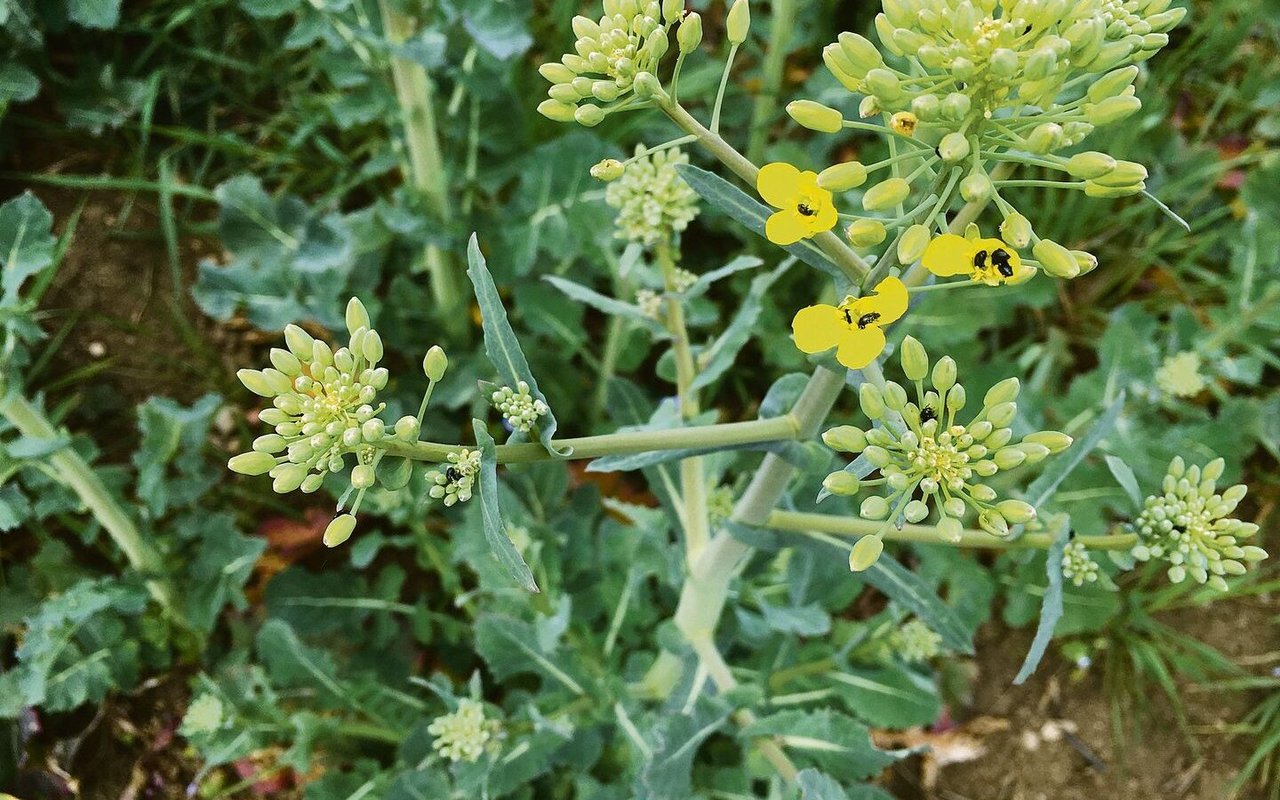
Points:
(720, 356)
(753, 214)
(905, 588)
(888, 698)
(606, 304)
(705, 281)
(495, 530)
(836, 743)
(501, 344)
(1050, 608)
(1127, 480)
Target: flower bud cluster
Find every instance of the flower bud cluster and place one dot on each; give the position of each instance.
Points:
(927, 459)
(323, 408)
(654, 203)
(1077, 565)
(1179, 375)
(464, 734)
(914, 642)
(454, 484)
(1190, 526)
(650, 303)
(518, 406)
(995, 81)
(615, 56)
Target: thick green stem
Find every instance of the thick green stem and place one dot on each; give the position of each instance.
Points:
(802, 522)
(422, 141)
(693, 489)
(76, 473)
(784, 18)
(729, 434)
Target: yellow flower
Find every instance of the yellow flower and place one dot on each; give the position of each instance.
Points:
(988, 261)
(855, 326)
(806, 208)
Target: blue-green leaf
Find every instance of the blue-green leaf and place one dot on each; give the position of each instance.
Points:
(501, 344)
(1050, 607)
(720, 355)
(753, 214)
(1128, 481)
(704, 281)
(495, 530)
(905, 588)
(607, 304)
(833, 741)
(888, 697)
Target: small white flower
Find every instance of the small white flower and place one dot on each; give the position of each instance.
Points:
(1077, 565)
(455, 483)
(518, 406)
(464, 734)
(1179, 375)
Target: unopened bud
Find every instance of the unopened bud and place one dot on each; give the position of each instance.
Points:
(915, 359)
(254, 463)
(1054, 440)
(975, 187)
(434, 363)
(816, 116)
(608, 170)
(1055, 259)
(954, 147)
(866, 551)
(1045, 138)
(339, 530)
(914, 241)
(1112, 84)
(844, 484)
(738, 23)
(1016, 511)
(886, 194)
(845, 439)
(944, 374)
(1016, 231)
(357, 316)
(689, 36)
(557, 111)
(866, 232)
(843, 177)
(1113, 109)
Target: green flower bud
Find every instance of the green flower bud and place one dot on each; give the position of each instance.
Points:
(956, 106)
(975, 187)
(256, 382)
(866, 232)
(1054, 440)
(993, 523)
(838, 64)
(1166, 20)
(1213, 470)
(362, 476)
(874, 507)
(1001, 415)
(589, 115)
(557, 111)
(647, 85)
(1009, 458)
(608, 170)
(286, 362)
(1094, 189)
(816, 116)
(956, 398)
(915, 359)
(944, 374)
(1003, 62)
(845, 439)
(877, 455)
(407, 428)
(886, 194)
(372, 347)
(1040, 65)
(866, 551)
(1016, 231)
(671, 10)
(872, 401)
(913, 243)
(915, 511)
(1112, 84)
(339, 530)
(1126, 173)
(953, 507)
(882, 83)
(1016, 511)
(738, 23)
(843, 177)
(861, 53)
(1035, 452)
(689, 36)
(269, 443)
(254, 463)
(1006, 391)
(1045, 138)
(1113, 109)
(895, 397)
(288, 477)
(954, 147)
(844, 484)
(927, 107)
(298, 341)
(557, 73)
(1055, 259)
(950, 529)
(357, 316)
(373, 430)
(435, 363)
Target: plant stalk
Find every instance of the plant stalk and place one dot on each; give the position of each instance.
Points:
(78, 476)
(783, 25)
(728, 434)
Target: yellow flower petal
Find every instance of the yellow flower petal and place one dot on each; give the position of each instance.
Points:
(1014, 268)
(787, 227)
(818, 328)
(860, 346)
(890, 301)
(779, 184)
(826, 219)
(949, 255)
